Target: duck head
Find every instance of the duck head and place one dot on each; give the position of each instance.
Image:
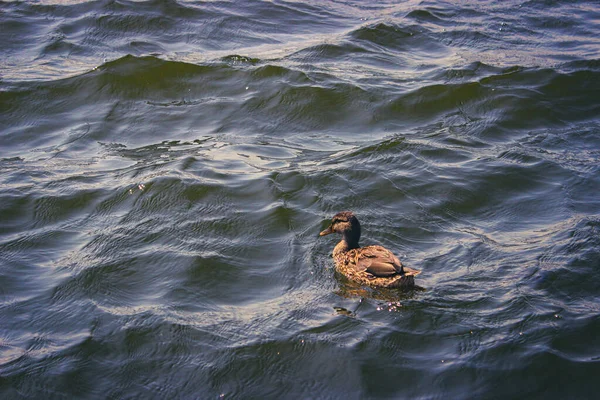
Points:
(347, 224)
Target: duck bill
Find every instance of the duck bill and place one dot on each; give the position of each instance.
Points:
(326, 232)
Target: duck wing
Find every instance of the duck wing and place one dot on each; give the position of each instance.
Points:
(378, 261)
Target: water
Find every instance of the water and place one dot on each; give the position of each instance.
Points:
(166, 167)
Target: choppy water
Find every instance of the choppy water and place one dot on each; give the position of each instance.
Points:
(166, 166)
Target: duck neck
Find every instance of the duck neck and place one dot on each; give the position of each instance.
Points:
(351, 239)
(347, 243)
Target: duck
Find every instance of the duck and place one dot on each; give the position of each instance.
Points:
(373, 265)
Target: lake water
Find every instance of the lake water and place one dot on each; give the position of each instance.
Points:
(166, 167)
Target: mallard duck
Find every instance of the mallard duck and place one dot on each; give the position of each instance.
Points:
(370, 265)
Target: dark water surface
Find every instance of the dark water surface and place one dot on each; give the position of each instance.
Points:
(166, 166)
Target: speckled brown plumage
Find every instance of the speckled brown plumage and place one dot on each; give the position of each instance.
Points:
(370, 265)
